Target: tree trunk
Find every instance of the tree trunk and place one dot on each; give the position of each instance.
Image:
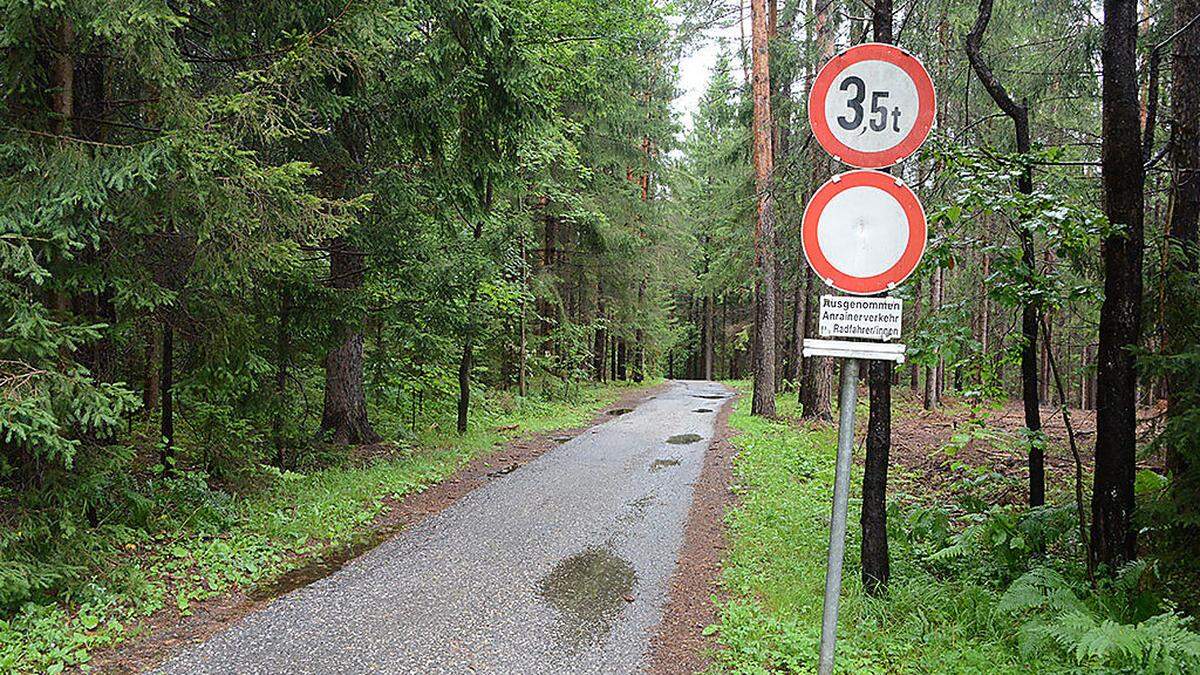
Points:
(931, 372)
(167, 423)
(708, 337)
(600, 342)
(465, 364)
(1185, 204)
(283, 356)
(1019, 114)
(875, 566)
(1113, 538)
(763, 401)
(344, 414)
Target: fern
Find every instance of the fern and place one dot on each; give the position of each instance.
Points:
(1041, 588)
(1161, 644)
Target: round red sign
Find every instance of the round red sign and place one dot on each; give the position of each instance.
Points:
(872, 105)
(864, 232)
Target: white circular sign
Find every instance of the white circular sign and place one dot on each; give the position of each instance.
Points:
(863, 232)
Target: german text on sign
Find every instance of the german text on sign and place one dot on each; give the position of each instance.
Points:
(873, 318)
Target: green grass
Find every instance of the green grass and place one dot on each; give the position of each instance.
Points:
(217, 541)
(775, 574)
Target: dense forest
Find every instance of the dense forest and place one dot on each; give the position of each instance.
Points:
(240, 242)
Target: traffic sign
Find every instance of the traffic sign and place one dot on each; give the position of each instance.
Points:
(864, 232)
(872, 105)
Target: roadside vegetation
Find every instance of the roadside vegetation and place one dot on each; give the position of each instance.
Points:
(976, 587)
(171, 541)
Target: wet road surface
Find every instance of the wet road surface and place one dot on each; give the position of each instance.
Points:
(561, 566)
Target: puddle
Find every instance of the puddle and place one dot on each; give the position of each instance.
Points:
(662, 463)
(702, 410)
(503, 471)
(619, 411)
(322, 567)
(589, 590)
(636, 510)
(711, 397)
(683, 439)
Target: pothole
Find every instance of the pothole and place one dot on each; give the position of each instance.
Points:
(683, 439)
(662, 463)
(562, 439)
(588, 589)
(619, 411)
(702, 410)
(711, 397)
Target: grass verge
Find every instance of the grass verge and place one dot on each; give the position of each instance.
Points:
(775, 571)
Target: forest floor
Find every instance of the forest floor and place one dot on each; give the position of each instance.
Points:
(160, 591)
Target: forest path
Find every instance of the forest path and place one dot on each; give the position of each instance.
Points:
(561, 566)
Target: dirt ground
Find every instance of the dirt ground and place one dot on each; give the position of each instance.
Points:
(679, 645)
(925, 447)
(167, 631)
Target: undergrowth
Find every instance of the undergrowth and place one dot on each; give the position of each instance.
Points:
(68, 588)
(974, 588)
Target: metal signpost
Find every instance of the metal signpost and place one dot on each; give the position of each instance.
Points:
(863, 233)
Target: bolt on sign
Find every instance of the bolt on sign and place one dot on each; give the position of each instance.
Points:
(873, 318)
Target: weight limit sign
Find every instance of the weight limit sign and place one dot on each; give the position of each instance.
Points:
(872, 105)
(864, 232)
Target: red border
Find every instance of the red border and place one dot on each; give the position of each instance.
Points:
(926, 105)
(917, 233)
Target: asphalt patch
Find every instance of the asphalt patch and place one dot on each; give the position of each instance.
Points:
(684, 439)
(588, 589)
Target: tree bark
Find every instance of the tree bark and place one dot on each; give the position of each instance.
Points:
(1185, 205)
(166, 455)
(283, 356)
(763, 401)
(344, 414)
(875, 563)
(1019, 114)
(1113, 538)
(465, 363)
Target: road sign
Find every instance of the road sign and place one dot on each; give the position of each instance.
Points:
(864, 232)
(872, 105)
(871, 318)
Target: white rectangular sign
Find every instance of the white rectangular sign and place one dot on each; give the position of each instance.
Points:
(871, 318)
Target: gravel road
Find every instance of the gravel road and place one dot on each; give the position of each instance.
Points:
(560, 566)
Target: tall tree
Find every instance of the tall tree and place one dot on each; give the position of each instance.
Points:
(1018, 112)
(875, 561)
(763, 401)
(1113, 538)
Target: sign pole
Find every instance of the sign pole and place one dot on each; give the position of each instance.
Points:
(837, 525)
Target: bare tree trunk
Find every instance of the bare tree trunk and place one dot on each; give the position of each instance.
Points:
(708, 337)
(763, 401)
(167, 423)
(1185, 202)
(931, 372)
(283, 356)
(1113, 537)
(875, 562)
(344, 414)
(914, 371)
(816, 385)
(1019, 114)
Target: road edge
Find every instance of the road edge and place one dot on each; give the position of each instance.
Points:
(169, 633)
(678, 644)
